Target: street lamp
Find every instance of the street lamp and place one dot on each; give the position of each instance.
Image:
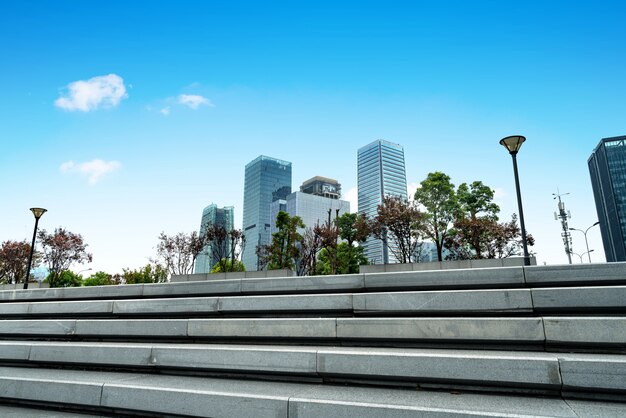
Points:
(588, 252)
(513, 145)
(585, 233)
(580, 256)
(89, 269)
(38, 212)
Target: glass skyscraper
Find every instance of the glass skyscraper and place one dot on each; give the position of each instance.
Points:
(381, 172)
(266, 180)
(607, 166)
(216, 216)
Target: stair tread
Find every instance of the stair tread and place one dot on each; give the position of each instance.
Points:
(200, 396)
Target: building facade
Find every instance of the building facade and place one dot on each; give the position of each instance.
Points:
(266, 180)
(212, 215)
(322, 186)
(607, 167)
(381, 172)
(316, 197)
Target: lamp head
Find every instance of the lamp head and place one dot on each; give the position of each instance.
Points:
(512, 143)
(38, 212)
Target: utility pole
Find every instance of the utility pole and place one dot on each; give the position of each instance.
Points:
(564, 216)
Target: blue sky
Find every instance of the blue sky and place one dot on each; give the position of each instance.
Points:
(176, 97)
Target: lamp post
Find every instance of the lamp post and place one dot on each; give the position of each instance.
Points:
(89, 269)
(585, 234)
(513, 145)
(588, 253)
(580, 256)
(38, 212)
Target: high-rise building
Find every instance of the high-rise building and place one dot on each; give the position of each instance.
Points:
(381, 172)
(312, 202)
(322, 186)
(212, 215)
(607, 166)
(266, 180)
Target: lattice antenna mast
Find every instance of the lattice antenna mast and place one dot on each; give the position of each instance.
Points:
(564, 215)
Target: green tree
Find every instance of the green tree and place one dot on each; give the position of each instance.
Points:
(228, 266)
(99, 278)
(283, 251)
(353, 228)
(148, 274)
(328, 238)
(476, 220)
(65, 278)
(437, 195)
(349, 258)
(476, 200)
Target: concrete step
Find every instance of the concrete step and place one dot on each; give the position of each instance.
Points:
(572, 299)
(21, 411)
(517, 330)
(201, 397)
(591, 298)
(481, 278)
(539, 371)
(592, 331)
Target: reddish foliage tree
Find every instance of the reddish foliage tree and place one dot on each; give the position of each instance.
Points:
(225, 246)
(400, 222)
(14, 261)
(61, 249)
(179, 252)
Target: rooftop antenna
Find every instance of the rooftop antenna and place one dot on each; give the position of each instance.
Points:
(564, 216)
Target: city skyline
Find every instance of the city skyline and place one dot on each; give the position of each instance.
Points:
(124, 125)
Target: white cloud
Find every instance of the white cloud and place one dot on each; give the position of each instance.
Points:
(87, 95)
(411, 188)
(352, 196)
(194, 101)
(499, 196)
(165, 111)
(94, 170)
(67, 166)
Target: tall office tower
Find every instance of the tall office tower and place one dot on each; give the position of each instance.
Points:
(266, 180)
(381, 172)
(607, 166)
(316, 196)
(217, 216)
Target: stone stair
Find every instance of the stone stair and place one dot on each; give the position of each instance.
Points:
(509, 342)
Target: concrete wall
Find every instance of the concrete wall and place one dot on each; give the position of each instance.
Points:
(446, 265)
(31, 285)
(234, 275)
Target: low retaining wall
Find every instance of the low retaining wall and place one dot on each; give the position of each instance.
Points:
(234, 275)
(447, 265)
(17, 286)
